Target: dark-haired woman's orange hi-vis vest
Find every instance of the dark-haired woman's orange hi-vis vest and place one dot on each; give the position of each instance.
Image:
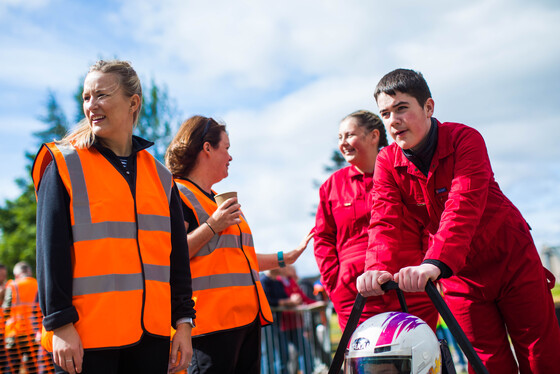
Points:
(225, 274)
(122, 244)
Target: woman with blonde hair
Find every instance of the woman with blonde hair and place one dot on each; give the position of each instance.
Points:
(112, 260)
(229, 298)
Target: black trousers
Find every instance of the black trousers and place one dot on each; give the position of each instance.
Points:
(149, 356)
(228, 352)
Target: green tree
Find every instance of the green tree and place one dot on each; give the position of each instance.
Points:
(17, 227)
(55, 119)
(17, 216)
(155, 119)
(79, 111)
(337, 163)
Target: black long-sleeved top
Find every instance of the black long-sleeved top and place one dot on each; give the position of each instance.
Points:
(54, 242)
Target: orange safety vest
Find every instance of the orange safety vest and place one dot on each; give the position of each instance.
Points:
(22, 318)
(121, 245)
(225, 273)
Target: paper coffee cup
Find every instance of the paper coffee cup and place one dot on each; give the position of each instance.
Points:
(221, 197)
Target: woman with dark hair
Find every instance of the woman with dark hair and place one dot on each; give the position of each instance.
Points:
(341, 225)
(229, 298)
(112, 266)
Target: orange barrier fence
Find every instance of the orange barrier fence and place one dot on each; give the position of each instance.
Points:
(20, 348)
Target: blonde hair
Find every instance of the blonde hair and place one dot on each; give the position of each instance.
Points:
(82, 135)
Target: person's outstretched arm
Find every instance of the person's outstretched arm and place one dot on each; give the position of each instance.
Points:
(269, 261)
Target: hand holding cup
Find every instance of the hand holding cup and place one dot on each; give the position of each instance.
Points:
(228, 212)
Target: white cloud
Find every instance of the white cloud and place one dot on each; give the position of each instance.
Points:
(25, 5)
(282, 74)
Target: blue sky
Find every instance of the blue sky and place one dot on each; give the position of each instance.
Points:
(282, 74)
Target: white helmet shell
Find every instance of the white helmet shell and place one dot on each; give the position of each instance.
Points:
(393, 342)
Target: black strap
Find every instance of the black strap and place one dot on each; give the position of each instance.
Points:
(455, 329)
(353, 321)
(447, 365)
(351, 325)
(441, 307)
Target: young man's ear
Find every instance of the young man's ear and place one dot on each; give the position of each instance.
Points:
(429, 107)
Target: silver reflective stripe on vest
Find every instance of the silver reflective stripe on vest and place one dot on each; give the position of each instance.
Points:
(84, 229)
(202, 217)
(208, 282)
(160, 273)
(255, 275)
(152, 222)
(107, 283)
(218, 241)
(209, 247)
(200, 212)
(102, 230)
(80, 200)
(225, 241)
(166, 179)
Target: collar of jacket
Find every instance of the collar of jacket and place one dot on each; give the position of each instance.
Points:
(443, 146)
(138, 144)
(422, 158)
(354, 173)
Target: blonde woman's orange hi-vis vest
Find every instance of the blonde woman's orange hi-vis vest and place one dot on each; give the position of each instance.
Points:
(23, 316)
(225, 273)
(121, 245)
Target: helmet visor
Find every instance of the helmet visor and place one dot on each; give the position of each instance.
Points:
(378, 365)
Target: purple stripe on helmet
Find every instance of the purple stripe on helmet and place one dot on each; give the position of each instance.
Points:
(396, 323)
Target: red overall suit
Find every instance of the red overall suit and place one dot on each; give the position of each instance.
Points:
(340, 248)
(499, 280)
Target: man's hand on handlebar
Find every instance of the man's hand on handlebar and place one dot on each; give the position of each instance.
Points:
(414, 278)
(369, 283)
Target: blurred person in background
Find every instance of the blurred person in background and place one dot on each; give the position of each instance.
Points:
(299, 326)
(229, 298)
(4, 367)
(21, 316)
(277, 356)
(342, 220)
(283, 292)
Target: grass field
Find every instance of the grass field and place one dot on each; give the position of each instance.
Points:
(556, 293)
(336, 333)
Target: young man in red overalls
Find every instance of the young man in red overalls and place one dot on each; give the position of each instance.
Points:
(480, 245)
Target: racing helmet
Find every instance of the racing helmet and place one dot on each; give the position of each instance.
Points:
(393, 343)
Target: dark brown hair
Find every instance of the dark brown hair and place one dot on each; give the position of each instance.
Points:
(183, 150)
(406, 81)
